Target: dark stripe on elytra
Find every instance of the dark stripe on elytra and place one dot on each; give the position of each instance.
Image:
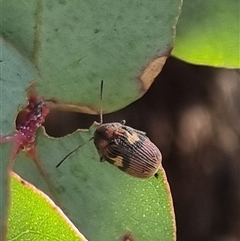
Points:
(143, 150)
(142, 160)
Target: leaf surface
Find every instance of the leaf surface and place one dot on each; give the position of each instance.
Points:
(208, 33)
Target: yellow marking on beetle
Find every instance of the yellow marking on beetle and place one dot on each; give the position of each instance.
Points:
(132, 138)
(118, 161)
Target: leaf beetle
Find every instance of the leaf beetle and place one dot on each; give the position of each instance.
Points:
(125, 147)
(128, 149)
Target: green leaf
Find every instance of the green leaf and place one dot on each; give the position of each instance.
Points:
(76, 44)
(208, 33)
(97, 196)
(4, 188)
(102, 201)
(16, 74)
(33, 216)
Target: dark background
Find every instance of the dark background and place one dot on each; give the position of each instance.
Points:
(192, 114)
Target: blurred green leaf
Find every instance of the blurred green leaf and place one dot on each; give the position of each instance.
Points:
(33, 216)
(208, 33)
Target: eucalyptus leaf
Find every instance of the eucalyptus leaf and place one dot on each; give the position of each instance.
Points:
(208, 33)
(101, 200)
(76, 44)
(33, 216)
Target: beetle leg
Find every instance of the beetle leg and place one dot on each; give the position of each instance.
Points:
(102, 159)
(123, 122)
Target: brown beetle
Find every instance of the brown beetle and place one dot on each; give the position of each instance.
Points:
(126, 148)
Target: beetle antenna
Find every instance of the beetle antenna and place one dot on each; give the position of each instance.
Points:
(101, 121)
(70, 153)
(101, 100)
